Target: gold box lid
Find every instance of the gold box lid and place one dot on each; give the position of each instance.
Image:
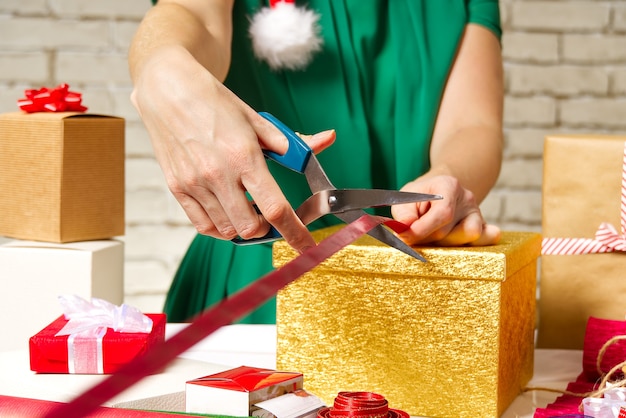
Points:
(496, 262)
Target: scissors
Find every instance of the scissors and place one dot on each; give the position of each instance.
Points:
(346, 204)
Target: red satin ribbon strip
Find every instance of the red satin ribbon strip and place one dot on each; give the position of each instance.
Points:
(360, 405)
(58, 99)
(224, 313)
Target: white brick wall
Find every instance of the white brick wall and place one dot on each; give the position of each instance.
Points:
(559, 16)
(565, 65)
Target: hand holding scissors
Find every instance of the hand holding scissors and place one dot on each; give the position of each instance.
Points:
(346, 204)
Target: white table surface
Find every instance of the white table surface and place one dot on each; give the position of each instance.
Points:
(230, 347)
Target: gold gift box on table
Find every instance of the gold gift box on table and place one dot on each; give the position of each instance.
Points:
(61, 176)
(453, 337)
(582, 180)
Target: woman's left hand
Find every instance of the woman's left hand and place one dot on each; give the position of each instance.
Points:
(453, 221)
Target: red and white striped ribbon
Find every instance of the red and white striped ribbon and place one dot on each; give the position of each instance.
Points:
(607, 239)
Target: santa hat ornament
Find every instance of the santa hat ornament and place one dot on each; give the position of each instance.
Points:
(285, 36)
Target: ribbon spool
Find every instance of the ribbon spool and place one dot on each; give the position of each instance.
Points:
(58, 99)
(360, 404)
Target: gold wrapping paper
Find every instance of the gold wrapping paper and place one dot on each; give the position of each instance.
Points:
(449, 338)
(581, 189)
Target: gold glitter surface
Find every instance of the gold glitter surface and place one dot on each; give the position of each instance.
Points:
(446, 338)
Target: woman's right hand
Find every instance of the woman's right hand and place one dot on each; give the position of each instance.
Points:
(209, 145)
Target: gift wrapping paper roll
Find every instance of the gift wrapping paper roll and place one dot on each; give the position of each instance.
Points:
(15, 407)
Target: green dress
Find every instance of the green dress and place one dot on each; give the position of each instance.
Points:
(378, 82)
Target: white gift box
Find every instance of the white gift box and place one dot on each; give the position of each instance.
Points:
(33, 274)
(234, 392)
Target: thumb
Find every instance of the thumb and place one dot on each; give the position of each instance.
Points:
(320, 141)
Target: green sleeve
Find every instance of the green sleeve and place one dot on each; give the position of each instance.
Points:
(485, 13)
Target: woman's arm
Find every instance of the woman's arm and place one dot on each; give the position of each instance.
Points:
(466, 149)
(207, 141)
(201, 28)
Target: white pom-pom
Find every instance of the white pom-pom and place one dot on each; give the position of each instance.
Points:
(285, 36)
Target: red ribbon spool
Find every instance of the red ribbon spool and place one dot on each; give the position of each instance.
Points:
(360, 404)
(58, 99)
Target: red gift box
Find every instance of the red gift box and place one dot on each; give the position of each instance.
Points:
(50, 354)
(235, 391)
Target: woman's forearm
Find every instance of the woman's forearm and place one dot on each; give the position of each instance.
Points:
(468, 139)
(202, 28)
(473, 155)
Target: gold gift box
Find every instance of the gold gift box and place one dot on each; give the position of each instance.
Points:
(582, 179)
(61, 176)
(452, 337)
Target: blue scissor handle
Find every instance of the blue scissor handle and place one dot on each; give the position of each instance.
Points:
(272, 235)
(298, 153)
(296, 158)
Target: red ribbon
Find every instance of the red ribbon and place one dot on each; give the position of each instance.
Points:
(360, 404)
(58, 99)
(597, 334)
(223, 313)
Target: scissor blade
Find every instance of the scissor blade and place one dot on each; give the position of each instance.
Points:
(382, 234)
(336, 201)
(315, 207)
(350, 199)
(316, 176)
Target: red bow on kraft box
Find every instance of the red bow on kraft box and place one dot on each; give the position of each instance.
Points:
(58, 99)
(94, 337)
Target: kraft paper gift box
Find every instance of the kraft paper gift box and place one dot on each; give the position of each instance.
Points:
(51, 354)
(234, 392)
(61, 176)
(451, 337)
(33, 274)
(582, 182)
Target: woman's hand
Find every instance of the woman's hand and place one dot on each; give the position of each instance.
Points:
(453, 221)
(209, 145)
